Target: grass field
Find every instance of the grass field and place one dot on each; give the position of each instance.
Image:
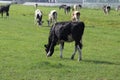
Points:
(22, 55)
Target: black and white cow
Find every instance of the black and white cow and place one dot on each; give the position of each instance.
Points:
(65, 32)
(4, 9)
(38, 17)
(76, 7)
(52, 17)
(106, 9)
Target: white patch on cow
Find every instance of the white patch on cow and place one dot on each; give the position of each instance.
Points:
(48, 54)
(70, 38)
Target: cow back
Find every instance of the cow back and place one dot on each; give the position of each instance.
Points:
(62, 30)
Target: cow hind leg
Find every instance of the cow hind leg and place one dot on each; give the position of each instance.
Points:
(75, 50)
(80, 53)
(79, 47)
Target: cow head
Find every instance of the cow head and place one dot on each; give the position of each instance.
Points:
(49, 50)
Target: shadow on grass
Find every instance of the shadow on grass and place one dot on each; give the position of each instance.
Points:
(46, 65)
(101, 62)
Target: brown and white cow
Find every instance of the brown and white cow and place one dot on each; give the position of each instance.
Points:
(76, 16)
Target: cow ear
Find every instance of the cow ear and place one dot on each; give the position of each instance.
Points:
(45, 46)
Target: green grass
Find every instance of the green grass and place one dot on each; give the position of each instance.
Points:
(22, 55)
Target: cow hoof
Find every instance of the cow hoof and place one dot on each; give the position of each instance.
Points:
(72, 57)
(79, 59)
(61, 57)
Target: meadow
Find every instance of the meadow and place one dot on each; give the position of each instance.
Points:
(22, 54)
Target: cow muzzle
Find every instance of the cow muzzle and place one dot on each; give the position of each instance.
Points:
(49, 54)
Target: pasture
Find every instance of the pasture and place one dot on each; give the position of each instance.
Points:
(22, 54)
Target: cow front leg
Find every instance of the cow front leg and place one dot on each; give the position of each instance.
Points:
(7, 14)
(61, 49)
(72, 57)
(1, 14)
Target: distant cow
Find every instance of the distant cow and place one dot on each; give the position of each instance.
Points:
(67, 9)
(76, 16)
(4, 9)
(62, 6)
(38, 17)
(36, 6)
(118, 8)
(52, 17)
(76, 7)
(106, 9)
(65, 32)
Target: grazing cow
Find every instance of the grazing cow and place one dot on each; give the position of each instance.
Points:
(106, 9)
(76, 7)
(65, 32)
(52, 17)
(118, 8)
(5, 9)
(62, 6)
(76, 16)
(66, 8)
(38, 17)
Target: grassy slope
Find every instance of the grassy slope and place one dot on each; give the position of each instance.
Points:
(22, 55)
